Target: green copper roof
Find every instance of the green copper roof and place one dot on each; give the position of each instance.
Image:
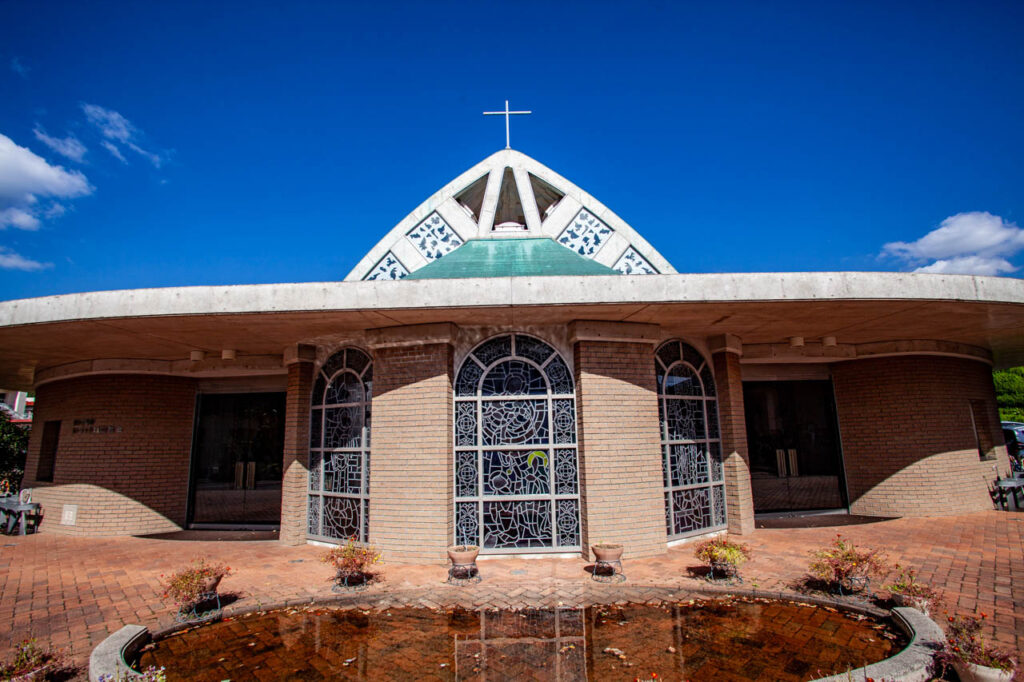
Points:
(510, 258)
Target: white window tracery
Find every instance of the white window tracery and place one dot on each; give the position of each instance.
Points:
(516, 467)
(694, 480)
(339, 448)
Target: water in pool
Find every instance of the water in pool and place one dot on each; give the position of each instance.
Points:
(720, 639)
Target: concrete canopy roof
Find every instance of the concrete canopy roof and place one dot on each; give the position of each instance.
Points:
(263, 320)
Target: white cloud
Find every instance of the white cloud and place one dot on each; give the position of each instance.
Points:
(110, 123)
(113, 126)
(26, 177)
(969, 265)
(68, 146)
(154, 159)
(19, 67)
(113, 149)
(18, 217)
(977, 243)
(9, 260)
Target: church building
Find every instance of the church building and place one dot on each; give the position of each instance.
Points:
(513, 366)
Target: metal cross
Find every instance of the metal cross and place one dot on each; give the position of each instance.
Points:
(506, 114)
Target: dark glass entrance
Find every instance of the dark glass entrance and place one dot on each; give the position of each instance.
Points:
(793, 441)
(237, 459)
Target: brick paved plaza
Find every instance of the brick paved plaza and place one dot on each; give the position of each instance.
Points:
(72, 592)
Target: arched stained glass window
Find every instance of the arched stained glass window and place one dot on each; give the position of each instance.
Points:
(339, 448)
(691, 444)
(516, 475)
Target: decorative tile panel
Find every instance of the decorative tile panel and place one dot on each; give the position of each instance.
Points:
(388, 267)
(632, 263)
(585, 234)
(433, 237)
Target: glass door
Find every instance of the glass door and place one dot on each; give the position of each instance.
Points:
(793, 441)
(237, 459)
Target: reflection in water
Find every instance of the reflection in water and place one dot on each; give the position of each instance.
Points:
(735, 639)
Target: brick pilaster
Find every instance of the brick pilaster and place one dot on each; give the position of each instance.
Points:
(295, 481)
(729, 379)
(619, 443)
(411, 497)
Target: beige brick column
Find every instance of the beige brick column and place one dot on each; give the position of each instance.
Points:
(411, 471)
(619, 439)
(739, 502)
(300, 360)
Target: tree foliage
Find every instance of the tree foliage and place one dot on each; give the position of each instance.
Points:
(1010, 393)
(13, 449)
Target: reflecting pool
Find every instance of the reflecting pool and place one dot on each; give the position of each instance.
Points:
(716, 639)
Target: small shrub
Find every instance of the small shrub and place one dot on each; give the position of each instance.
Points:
(842, 562)
(351, 558)
(721, 550)
(907, 585)
(29, 657)
(965, 643)
(185, 587)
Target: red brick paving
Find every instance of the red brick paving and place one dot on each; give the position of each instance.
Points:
(72, 592)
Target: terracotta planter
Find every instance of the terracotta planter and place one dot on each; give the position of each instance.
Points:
(607, 552)
(463, 554)
(970, 672)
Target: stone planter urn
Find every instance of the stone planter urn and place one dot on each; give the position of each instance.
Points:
(919, 603)
(350, 580)
(462, 555)
(211, 583)
(724, 569)
(607, 552)
(972, 672)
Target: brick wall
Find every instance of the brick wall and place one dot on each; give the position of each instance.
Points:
(909, 444)
(295, 482)
(411, 463)
(620, 446)
(739, 500)
(128, 482)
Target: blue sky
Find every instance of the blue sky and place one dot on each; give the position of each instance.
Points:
(169, 144)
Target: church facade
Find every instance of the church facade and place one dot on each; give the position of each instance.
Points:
(513, 366)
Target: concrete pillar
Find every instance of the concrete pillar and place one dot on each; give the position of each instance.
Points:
(725, 357)
(300, 360)
(619, 438)
(411, 475)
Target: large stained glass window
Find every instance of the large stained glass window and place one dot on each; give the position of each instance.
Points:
(691, 444)
(516, 475)
(339, 448)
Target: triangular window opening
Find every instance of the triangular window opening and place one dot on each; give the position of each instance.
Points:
(547, 196)
(509, 215)
(472, 198)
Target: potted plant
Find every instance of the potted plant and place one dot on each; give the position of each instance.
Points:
(966, 651)
(351, 563)
(607, 551)
(194, 585)
(907, 590)
(30, 662)
(723, 556)
(845, 567)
